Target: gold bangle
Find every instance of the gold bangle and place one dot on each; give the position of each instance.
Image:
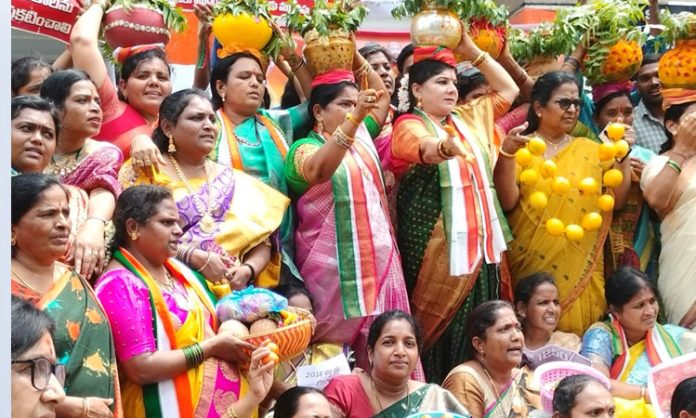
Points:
(442, 152)
(482, 56)
(342, 139)
(231, 412)
(506, 154)
(349, 116)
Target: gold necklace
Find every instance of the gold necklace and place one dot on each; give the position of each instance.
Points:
(61, 170)
(490, 379)
(379, 403)
(207, 223)
(552, 144)
(25, 283)
(170, 281)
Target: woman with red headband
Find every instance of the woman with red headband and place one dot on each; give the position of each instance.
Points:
(346, 250)
(457, 232)
(130, 114)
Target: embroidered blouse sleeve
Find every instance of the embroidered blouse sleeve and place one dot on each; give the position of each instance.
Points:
(127, 304)
(596, 345)
(99, 170)
(294, 163)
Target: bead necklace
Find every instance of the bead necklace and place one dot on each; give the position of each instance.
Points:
(245, 141)
(207, 223)
(61, 170)
(379, 403)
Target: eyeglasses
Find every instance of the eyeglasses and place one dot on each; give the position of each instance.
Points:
(41, 371)
(565, 103)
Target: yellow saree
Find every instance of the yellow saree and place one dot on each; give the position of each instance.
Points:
(578, 267)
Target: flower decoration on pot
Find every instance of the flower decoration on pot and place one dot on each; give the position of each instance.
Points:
(488, 24)
(677, 67)
(326, 30)
(433, 22)
(246, 25)
(539, 49)
(611, 35)
(129, 23)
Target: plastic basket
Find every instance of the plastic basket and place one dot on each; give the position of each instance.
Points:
(550, 375)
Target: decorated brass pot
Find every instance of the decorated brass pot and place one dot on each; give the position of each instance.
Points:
(436, 27)
(332, 53)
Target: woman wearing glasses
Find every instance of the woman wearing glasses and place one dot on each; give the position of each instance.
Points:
(576, 259)
(37, 381)
(83, 340)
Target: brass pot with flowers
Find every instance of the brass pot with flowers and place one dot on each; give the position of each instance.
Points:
(677, 67)
(611, 34)
(246, 24)
(326, 30)
(538, 50)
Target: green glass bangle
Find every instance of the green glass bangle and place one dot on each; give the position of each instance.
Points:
(675, 166)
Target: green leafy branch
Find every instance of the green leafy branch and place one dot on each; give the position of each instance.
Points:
(324, 19)
(546, 40)
(680, 26)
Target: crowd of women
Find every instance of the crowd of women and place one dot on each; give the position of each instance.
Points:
(404, 228)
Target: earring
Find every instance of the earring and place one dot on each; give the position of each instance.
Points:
(320, 125)
(171, 148)
(419, 104)
(223, 98)
(13, 240)
(134, 236)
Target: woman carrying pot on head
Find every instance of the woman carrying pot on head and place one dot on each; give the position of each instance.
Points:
(489, 382)
(630, 342)
(228, 217)
(82, 162)
(173, 365)
(457, 232)
(539, 309)
(131, 108)
(83, 338)
(385, 390)
(669, 187)
(252, 139)
(560, 187)
(346, 250)
(631, 239)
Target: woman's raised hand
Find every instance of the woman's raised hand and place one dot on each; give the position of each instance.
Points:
(467, 48)
(204, 13)
(260, 375)
(685, 140)
(515, 140)
(145, 157)
(367, 101)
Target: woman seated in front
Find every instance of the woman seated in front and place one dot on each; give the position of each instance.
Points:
(630, 341)
(581, 396)
(539, 308)
(385, 390)
(489, 383)
(171, 362)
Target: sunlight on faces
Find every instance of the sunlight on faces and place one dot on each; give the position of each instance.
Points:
(395, 354)
(27, 402)
(244, 88)
(640, 313)
(313, 405)
(81, 113)
(33, 136)
(553, 116)
(196, 130)
(619, 109)
(147, 86)
(158, 237)
(544, 308)
(334, 113)
(44, 230)
(438, 95)
(504, 340)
